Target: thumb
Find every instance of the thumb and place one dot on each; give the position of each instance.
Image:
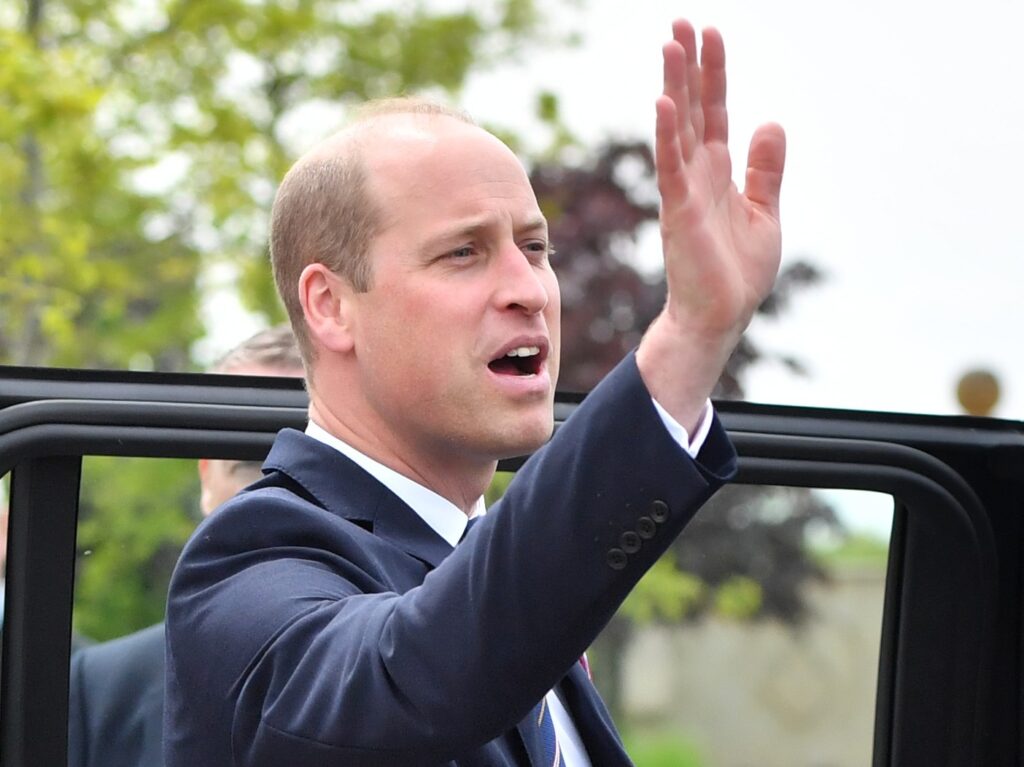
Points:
(765, 161)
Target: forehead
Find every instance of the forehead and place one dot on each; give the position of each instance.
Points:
(439, 167)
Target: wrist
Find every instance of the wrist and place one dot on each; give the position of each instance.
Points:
(680, 367)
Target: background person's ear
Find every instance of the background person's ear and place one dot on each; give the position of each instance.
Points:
(327, 304)
(205, 481)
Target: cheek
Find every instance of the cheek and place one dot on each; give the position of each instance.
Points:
(553, 311)
(408, 355)
(551, 285)
(387, 325)
(420, 333)
(218, 484)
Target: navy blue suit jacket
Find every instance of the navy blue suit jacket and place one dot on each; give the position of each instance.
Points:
(116, 702)
(316, 619)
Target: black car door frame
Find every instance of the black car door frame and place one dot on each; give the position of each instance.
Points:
(948, 690)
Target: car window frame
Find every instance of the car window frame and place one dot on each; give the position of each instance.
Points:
(946, 621)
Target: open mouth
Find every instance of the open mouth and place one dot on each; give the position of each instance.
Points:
(521, 361)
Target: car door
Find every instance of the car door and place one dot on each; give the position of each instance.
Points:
(947, 682)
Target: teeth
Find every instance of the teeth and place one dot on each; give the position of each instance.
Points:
(524, 351)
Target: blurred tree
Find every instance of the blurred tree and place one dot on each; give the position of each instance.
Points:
(140, 142)
(129, 538)
(81, 281)
(136, 137)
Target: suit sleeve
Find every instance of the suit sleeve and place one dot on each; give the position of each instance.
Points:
(321, 665)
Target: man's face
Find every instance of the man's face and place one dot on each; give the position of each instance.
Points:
(457, 340)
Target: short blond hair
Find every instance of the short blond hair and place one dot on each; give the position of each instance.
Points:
(324, 213)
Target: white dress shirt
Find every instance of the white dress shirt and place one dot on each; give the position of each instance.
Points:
(449, 521)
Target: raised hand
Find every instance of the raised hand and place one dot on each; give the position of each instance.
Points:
(721, 246)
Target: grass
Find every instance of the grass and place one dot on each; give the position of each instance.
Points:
(857, 549)
(661, 748)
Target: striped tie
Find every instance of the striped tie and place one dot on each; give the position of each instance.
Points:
(546, 727)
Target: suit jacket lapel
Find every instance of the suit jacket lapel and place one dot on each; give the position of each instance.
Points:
(344, 488)
(592, 719)
(530, 736)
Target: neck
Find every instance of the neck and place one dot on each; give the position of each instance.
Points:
(457, 479)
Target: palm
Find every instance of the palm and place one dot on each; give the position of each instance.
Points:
(722, 246)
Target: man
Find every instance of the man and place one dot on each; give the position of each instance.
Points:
(116, 702)
(328, 616)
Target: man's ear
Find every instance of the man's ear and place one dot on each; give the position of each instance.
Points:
(205, 493)
(327, 303)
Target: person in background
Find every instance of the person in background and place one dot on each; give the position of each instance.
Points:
(116, 702)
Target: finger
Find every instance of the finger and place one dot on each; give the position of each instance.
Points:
(683, 33)
(668, 159)
(677, 90)
(712, 75)
(765, 162)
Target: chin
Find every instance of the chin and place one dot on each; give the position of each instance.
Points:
(525, 439)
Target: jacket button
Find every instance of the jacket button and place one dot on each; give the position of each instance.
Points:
(646, 528)
(617, 559)
(630, 542)
(659, 511)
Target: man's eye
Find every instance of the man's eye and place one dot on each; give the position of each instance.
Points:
(463, 252)
(540, 248)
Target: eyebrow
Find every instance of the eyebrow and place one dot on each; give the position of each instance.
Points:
(472, 226)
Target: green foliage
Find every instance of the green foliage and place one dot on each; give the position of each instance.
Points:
(661, 749)
(129, 539)
(670, 595)
(497, 487)
(75, 261)
(855, 550)
(664, 593)
(139, 139)
(738, 597)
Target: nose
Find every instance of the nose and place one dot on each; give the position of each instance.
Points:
(521, 284)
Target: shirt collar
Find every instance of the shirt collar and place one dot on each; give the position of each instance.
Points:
(444, 517)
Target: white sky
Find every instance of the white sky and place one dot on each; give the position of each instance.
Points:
(903, 175)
